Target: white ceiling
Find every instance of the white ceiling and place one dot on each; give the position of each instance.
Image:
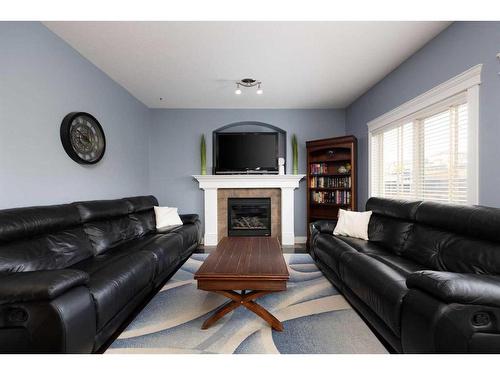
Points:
(196, 64)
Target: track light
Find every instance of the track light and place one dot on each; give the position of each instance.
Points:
(248, 82)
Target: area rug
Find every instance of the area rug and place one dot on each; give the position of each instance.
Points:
(316, 319)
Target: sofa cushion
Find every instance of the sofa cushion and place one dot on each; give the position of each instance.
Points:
(167, 249)
(456, 238)
(142, 203)
(27, 222)
(107, 234)
(469, 255)
(167, 216)
(380, 253)
(143, 222)
(41, 238)
(391, 222)
(364, 246)
(446, 251)
(389, 232)
(424, 245)
(329, 249)
(395, 208)
(142, 213)
(353, 224)
(122, 278)
(107, 223)
(378, 285)
(102, 209)
(398, 263)
(470, 221)
(103, 260)
(189, 234)
(49, 251)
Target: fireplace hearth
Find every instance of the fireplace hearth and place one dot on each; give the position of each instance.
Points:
(249, 216)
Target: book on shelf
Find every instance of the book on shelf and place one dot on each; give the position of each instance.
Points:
(325, 168)
(319, 168)
(331, 197)
(330, 182)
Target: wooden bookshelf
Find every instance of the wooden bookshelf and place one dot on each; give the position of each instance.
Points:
(328, 188)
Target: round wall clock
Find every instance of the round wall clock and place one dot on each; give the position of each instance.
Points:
(83, 138)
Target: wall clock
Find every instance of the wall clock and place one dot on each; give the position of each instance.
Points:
(83, 138)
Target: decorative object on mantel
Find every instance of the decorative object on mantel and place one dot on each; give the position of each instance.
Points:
(281, 166)
(203, 155)
(295, 151)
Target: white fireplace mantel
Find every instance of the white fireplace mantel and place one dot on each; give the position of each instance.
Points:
(287, 184)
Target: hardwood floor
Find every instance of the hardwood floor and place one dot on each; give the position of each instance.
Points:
(299, 248)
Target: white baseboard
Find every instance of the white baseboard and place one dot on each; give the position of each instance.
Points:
(300, 239)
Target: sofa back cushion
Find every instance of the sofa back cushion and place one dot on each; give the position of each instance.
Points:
(41, 238)
(109, 223)
(456, 238)
(143, 213)
(391, 222)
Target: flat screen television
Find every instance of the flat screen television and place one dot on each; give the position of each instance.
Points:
(246, 152)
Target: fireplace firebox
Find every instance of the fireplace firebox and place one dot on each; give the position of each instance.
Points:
(249, 216)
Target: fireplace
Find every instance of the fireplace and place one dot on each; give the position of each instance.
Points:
(249, 216)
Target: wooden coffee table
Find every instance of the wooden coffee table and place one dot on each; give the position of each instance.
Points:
(252, 265)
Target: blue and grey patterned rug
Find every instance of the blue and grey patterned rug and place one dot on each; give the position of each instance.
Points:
(316, 319)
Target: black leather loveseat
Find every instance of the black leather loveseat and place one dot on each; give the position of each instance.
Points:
(428, 278)
(71, 275)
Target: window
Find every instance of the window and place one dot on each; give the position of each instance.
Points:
(427, 148)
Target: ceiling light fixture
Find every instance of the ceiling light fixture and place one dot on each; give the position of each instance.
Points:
(248, 83)
(238, 90)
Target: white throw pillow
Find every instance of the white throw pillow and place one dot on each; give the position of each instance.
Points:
(166, 216)
(353, 224)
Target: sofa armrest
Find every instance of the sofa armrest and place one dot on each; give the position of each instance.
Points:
(39, 285)
(462, 288)
(189, 218)
(324, 226)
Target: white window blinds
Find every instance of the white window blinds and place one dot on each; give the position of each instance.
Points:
(423, 156)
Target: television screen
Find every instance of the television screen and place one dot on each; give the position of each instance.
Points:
(237, 152)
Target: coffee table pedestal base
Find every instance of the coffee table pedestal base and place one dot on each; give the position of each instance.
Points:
(246, 300)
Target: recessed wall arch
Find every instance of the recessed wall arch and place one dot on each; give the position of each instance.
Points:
(251, 126)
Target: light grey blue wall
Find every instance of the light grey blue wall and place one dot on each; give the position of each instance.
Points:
(175, 140)
(41, 80)
(459, 47)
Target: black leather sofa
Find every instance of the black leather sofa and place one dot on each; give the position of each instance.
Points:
(427, 280)
(71, 275)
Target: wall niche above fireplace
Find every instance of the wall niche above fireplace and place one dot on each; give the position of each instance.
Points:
(249, 216)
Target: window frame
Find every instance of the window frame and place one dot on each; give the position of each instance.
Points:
(467, 82)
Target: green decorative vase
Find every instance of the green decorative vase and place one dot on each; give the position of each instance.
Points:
(295, 154)
(203, 155)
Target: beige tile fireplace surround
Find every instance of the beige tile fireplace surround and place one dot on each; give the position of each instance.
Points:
(224, 194)
(280, 188)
